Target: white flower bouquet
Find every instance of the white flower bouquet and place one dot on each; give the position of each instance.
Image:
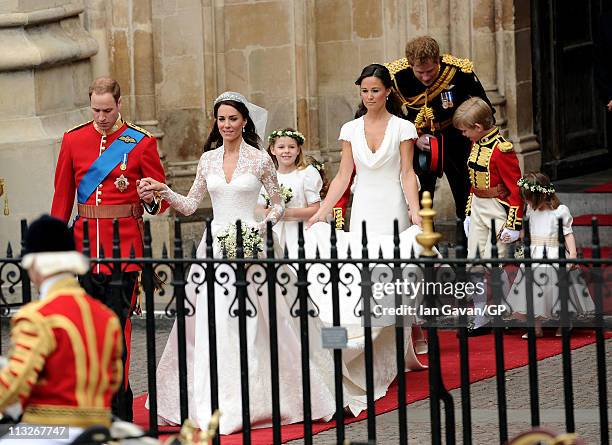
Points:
(252, 241)
(285, 192)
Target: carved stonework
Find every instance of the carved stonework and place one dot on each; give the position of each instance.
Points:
(45, 70)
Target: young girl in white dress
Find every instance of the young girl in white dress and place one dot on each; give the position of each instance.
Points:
(544, 211)
(300, 184)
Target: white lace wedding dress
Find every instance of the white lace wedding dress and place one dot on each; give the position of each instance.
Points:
(232, 200)
(378, 199)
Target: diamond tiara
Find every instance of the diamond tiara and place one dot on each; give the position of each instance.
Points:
(231, 95)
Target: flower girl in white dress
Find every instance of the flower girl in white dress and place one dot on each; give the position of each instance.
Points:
(544, 211)
(300, 185)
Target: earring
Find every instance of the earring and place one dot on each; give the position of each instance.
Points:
(387, 97)
(243, 129)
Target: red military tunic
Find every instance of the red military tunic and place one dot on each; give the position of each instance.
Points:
(65, 365)
(81, 146)
(492, 165)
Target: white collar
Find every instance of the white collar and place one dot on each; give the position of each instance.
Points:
(49, 282)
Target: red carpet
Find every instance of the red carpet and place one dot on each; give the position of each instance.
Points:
(585, 220)
(482, 366)
(602, 188)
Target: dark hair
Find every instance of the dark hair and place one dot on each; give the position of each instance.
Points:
(393, 105)
(249, 134)
(311, 160)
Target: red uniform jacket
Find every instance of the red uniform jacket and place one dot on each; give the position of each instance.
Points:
(80, 148)
(65, 365)
(492, 162)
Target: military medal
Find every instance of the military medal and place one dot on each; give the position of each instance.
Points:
(124, 163)
(121, 183)
(447, 99)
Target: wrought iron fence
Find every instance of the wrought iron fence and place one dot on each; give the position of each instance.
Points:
(354, 275)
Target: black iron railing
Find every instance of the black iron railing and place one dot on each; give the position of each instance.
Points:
(268, 277)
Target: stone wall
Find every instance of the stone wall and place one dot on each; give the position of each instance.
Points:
(45, 70)
(297, 58)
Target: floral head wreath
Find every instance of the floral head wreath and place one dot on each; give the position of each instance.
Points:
(534, 187)
(289, 133)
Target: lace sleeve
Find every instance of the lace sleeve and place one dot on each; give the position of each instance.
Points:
(270, 183)
(187, 205)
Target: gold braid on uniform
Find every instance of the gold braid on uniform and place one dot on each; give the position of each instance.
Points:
(465, 65)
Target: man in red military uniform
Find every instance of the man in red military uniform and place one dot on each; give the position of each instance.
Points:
(65, 364)
(101, 161)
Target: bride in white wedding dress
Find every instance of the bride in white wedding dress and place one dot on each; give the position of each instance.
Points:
(380, 145)
(233, 175)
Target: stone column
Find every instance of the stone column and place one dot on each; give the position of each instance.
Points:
(45, 72)
(484, 53)
(515, 51)
(307, 118)
(144, 73)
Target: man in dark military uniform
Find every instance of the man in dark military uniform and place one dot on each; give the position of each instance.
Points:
(431, 88)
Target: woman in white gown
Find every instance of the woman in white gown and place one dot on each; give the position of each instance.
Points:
(380, 145)
(233, 175)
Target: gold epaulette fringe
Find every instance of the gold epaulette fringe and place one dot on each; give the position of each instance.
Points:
(466, 65)
(505, 146)
(397, 65)
(79, 126)
(137, 128)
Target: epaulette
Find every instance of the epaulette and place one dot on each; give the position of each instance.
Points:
(137, 128)
(504, 145)
(80, 126)
(466, 65)
(397, 65)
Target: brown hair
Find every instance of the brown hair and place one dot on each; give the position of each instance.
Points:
(103, 85)
(538, 199)
(300, 163)
(473, 111)
(422, 49)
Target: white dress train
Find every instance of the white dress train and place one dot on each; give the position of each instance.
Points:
(234, 200)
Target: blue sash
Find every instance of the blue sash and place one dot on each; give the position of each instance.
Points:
(108, 160)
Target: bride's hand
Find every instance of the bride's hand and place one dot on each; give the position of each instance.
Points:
(147, 188)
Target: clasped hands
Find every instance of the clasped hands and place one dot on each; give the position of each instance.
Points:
(506, 236)
(149, 189)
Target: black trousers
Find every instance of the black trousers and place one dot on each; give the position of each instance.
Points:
(118, 299)
(456, 152)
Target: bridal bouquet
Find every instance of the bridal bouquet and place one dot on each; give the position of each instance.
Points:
(251, 241)
(285, 192)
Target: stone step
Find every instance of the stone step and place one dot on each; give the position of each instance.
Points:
(583, 235)
(587, 203)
